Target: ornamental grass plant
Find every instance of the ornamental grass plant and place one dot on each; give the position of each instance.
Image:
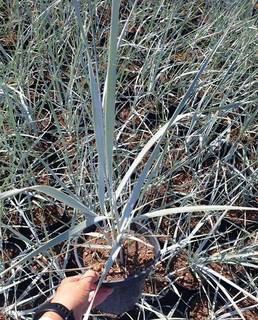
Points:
(122, 112)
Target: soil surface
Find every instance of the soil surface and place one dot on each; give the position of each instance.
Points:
(137, 257)
(183, 274)
(251, 314)
(9, 252)
(157, 280)
(156, 196)
(183, 182)
(167, 229)
(193, 221)
(229, 271)
(200, 310)
(243, 217)
(48, 215)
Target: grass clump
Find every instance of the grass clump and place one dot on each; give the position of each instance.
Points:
(61, 77)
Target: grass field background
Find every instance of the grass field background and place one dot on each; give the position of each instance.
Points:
(208, 157)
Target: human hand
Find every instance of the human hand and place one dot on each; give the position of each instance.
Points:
(76, 294)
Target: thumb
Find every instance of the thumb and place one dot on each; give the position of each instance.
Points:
(88, 280)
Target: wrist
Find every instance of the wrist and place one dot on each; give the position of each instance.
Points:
(53, 311)
(65, 302)
(49, 315)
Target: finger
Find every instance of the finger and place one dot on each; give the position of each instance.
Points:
(88, 280)
(72, 279)
(101, 296)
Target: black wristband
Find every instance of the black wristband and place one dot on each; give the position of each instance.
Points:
(58, 308)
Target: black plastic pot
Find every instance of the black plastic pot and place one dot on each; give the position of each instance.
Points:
(152, 298)
(191, 303)
(198, 298)
(127, 292)
(15, 247)
(155, 279)
(14, 244)
(185, 292)
(56, 228)
(170, 300)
